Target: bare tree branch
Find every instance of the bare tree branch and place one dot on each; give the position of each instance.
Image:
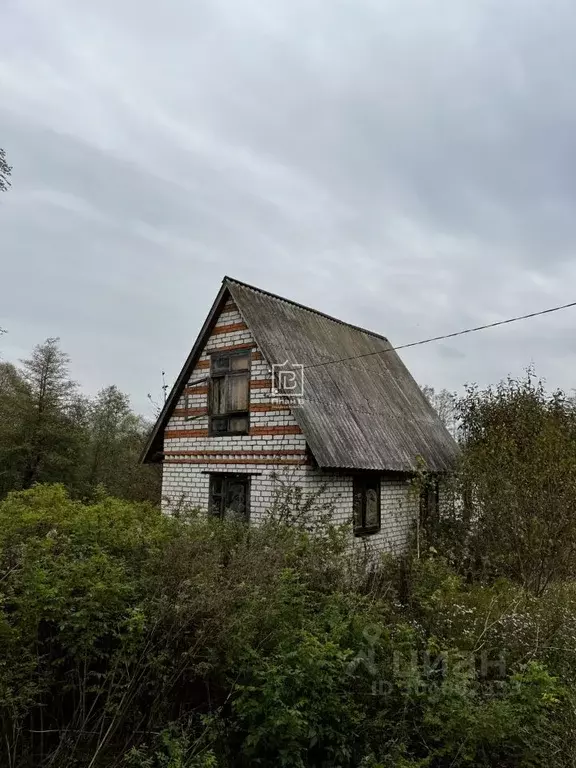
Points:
(5, 171)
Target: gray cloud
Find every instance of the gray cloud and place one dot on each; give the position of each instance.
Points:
(408, 167)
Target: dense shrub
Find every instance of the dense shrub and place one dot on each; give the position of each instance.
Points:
(133, 639)
(515, 487)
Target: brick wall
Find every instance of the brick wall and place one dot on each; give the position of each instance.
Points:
(399, 508)
(275, 441)
(274, 454)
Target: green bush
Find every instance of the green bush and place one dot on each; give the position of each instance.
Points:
(130, 638)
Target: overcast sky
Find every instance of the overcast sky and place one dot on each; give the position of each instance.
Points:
(405, 165)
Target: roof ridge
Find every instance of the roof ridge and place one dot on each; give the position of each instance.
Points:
(227, 279)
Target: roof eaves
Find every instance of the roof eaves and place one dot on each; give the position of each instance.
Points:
(183, 376)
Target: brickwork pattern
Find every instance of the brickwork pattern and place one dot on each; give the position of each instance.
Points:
(274, 454)
(399, 508)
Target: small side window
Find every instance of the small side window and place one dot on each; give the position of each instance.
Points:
(366, 500)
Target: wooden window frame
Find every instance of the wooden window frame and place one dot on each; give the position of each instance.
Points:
(227, 477)
(360, 485)
(227, 375)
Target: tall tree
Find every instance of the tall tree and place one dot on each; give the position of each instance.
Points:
(445, 405)
(116, 436)
(50, 433)
(5, 171)
(14, 397)
(52, 416)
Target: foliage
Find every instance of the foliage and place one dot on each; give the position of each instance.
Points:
(135, 639)
(49, 432)
(515, 513)
(131, 638)
(445, 403)
(48, 411)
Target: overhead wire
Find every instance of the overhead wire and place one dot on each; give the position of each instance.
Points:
(420, 342)
(444, 336)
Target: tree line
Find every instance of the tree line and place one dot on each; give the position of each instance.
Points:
(52, 433)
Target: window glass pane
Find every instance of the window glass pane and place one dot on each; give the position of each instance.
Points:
(215, 506)
(239, 362)
(220, 425)
(237, 497)
(217, 395)
(423, 507)
(238, 392)
(371, 507)
(238, 424)
(220, 363)
(216, 498)
(432, 502)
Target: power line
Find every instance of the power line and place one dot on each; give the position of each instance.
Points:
(446, 335)
(410, 344)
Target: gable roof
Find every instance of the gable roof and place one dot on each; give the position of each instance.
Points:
(361, 413)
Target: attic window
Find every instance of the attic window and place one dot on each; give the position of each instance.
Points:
(229, 398)
(366, 504)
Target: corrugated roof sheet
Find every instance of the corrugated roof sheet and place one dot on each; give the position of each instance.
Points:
(365, 413)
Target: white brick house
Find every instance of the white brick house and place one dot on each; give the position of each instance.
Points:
(231, 436)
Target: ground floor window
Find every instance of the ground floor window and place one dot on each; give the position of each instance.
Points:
(366, 504)
(230, 496)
